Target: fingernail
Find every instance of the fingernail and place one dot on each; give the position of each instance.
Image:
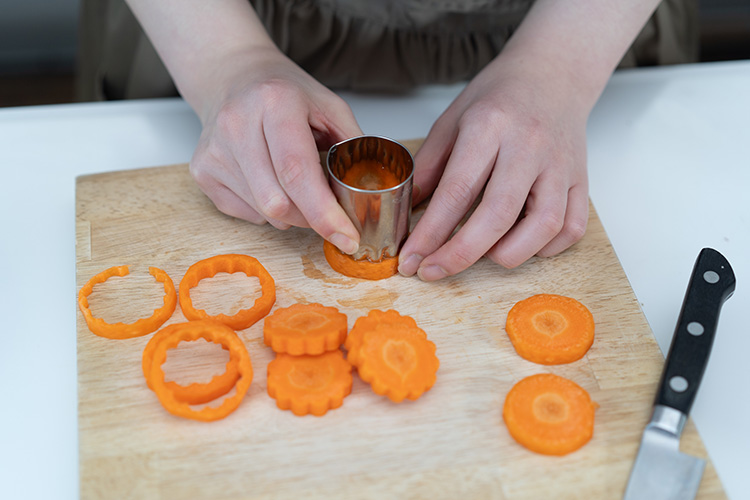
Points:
(431, 273)
(344, 243)
(409, 265)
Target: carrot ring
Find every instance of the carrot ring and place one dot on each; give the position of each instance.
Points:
(550, 329)
(212, 331)
(549, 414)
(195, 393)
(365, 269)
(141, 327)
(229, 263)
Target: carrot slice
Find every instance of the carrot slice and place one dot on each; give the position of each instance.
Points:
(398, 362)
(550, 329)
(212, 331)
(549, 414)
(141, 327)
(309, 384)
(366, 323)
(229, 263)
(305, 329)
(195, 393)
(365, 269)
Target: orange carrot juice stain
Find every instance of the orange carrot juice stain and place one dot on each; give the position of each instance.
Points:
(370, 175)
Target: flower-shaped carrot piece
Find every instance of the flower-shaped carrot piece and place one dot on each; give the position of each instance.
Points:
(229, 263)
(309, 384)
(398, 362)
(550, 329)
(549, 414)
(195, 393)
(305, 329)
(212, 331)
(143, 326)
(370, 322)
(364, 269)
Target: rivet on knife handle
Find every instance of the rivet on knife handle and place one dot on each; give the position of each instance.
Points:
(711, 283)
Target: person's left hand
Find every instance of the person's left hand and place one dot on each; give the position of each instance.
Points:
(519, 136)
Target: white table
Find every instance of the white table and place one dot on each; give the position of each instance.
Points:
(669, 169)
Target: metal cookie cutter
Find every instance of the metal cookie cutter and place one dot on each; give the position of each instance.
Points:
(372, 177)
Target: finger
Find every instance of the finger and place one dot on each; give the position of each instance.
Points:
(231, 204)
(501, 204)
(574, 227)
(213, 178)
(263, 187)
(541, 224)
(334, 123)
(296, 162)
(465, 174)
(430, 160)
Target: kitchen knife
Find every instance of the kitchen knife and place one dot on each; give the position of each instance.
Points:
(660, 470)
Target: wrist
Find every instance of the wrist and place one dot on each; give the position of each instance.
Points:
(224, 76)
(553, 82)
(576, 45)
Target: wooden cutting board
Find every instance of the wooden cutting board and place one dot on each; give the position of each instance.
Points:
(451, 443)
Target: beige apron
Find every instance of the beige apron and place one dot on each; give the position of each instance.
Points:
(390, 45)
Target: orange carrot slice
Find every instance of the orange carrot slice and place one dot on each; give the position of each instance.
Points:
(398, 362)
(549, 414)
(212, 331)
(229, 263)
(143, 326)
(364, 269)
(309, 384)
(550, 329)
(305, 329)
(195, 393)
(366, 323)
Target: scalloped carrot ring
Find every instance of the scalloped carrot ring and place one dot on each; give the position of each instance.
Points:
(195, 393)
(143, 326)
(373, 319)
(212, 331)
(364, 269)
(398, 362)
(305, 329)
(309, 384)
(229, 263)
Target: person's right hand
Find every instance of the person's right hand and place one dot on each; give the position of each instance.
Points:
(257, 158)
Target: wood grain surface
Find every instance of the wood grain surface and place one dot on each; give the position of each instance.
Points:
(449, 444)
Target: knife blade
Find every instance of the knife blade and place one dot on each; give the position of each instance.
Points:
(660, 470)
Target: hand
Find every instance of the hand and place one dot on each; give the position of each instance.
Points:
(257, 158)
(522, 140)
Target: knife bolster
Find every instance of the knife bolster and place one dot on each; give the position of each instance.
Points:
(669, 420)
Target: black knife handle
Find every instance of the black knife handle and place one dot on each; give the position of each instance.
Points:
(711, 283)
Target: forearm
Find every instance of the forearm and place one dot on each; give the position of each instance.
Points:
(198, 40)
(575, 44)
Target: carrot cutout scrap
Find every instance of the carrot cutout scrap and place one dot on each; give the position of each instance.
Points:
(364, 269)
(549, 414)
(305, 329)
(370, 322)
(550, 329)
(309, 384)
(398, 362)
(229, 263)
(212, 331)
(195, 393)
(143, 326)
